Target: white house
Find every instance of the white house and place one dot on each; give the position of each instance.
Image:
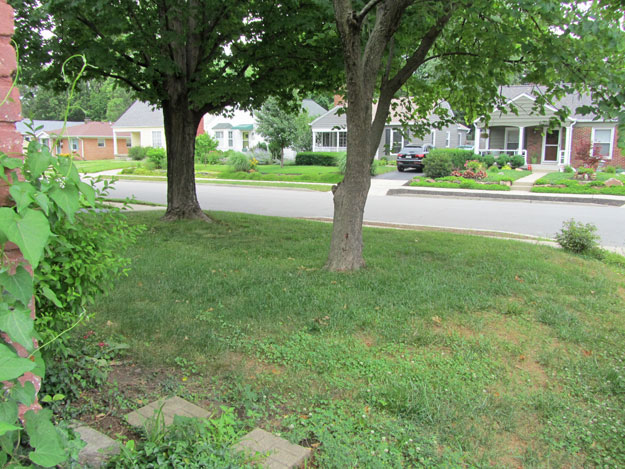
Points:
(144, 123)
(330, 132)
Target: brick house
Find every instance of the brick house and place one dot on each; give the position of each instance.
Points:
(88, 141)
(527, 132)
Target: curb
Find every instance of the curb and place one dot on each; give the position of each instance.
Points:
(598, 200)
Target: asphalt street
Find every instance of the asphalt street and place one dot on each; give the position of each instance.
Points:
(532, 218)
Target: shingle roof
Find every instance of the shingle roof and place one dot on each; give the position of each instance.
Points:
(222, 125)
(47, 125)
(90, 129)
(140, 114)
(313, 108)
(572, 101)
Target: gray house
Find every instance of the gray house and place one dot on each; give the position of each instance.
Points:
(330, 133)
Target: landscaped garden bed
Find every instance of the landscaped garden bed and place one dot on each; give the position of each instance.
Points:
(601, 182)
(471, 352)
(494, 181)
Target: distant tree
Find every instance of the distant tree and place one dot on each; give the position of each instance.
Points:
(303, 132)
(277, 124)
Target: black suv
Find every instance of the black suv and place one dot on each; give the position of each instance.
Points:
(412, 156)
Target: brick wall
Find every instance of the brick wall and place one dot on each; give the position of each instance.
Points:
(11, 144)
(581, 134)
(88, 148)
(534, 143)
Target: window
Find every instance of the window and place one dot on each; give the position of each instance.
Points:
(246, 140)
(398, 141)
(219, 135)
(73, 143)
(101, 143)
(59, 147)
(602, 142)
(157, 139)
(511, 138)
(129, 143)
(448, 139)
(230, 138)
(45, 142)
(343, 139)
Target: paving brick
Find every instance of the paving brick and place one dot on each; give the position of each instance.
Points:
(168, 408)
(99, 447)
(278, 452)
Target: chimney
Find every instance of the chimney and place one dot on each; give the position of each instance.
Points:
(338, 100)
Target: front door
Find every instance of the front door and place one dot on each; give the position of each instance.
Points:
(552, 146)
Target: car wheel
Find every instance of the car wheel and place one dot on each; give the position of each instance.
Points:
(400, 169)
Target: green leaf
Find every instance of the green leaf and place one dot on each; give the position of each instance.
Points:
(19, 325)
(6, 427)
(30, 232)
(25, 394)
(22, 192)
(20, 284)
(44, 438)
(66, 198)
(49, 294)
(40, 365)
(88, 192)
(38, 161)
(10, 163)
(43, 201)
(12, 366)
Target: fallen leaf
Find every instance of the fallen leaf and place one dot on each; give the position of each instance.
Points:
(315, 445)
(437, 319)
(522, 357)
(305, 417)
(518, 279)
(588, 353)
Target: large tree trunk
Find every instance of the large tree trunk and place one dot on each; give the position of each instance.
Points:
(180, 129)
(350, 195)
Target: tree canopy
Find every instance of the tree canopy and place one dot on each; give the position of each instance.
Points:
(188, 57)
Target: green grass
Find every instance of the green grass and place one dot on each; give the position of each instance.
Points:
(446, 351)
(96, 166)
(449, 183)
(574, 187)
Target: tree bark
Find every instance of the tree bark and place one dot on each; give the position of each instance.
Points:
(181, 124)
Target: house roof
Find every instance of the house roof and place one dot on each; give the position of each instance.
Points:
(86, 130)
(222, 125)
(47, 125)
(572, 101)
(140, 114)
(244, 127)
(312, 108)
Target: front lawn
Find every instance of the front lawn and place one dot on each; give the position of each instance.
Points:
(573, 186)
(446, 351)
(95, 166)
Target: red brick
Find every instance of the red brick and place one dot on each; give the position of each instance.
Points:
(6, 19)
(11, 110)
(7, 58)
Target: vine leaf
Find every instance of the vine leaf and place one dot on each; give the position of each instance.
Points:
(43, 201)
(44, 438)
(19, 325)
(38, 161)
(30, 232)
(66, 198)
(88, 192)
(7, 427)
(49, 294)
(22, 192)
(12, 366)
(20, 284)
(25, 394)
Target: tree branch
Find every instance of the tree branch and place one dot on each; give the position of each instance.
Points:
(360, 16)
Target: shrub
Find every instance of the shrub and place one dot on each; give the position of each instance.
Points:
(502, 160)
(585, 171)
(138, 153)
(318, 158)
(384, 160)
(568, 169)
(204, 145)
(487, 160)
(239, 162)
(609, 170)
(516, 161)
(458, 156)
(158, 157)
(214, 157)
(578, 237)
(438, 164)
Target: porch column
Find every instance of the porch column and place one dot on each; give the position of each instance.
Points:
(476, 142)
(314, 142)
(521, 138)
(569, 144)
(114, 143)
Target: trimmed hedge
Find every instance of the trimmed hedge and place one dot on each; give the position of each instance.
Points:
(318, 158)
(458, 156)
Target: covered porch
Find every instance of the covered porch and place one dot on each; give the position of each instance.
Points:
(329, 140)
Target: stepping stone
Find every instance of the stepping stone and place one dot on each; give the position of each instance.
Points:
(280, 453)
(168, 408)
(99, 447)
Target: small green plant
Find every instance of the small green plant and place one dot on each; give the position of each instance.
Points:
(239, 162)
(585, 171)
(578, 237)
(138, 153)
(188, 442)
(437, 164)
(157, 157)
(516, 161)
(568, 169)
(609, 170)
